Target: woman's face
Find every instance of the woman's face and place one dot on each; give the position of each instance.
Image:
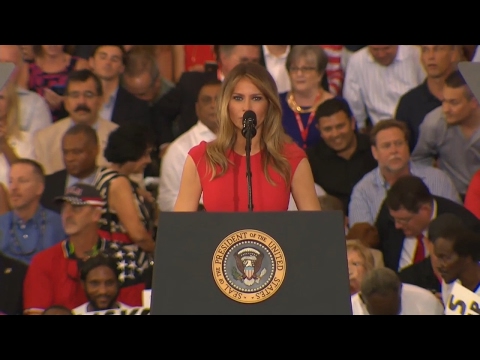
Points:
(304, 75)
(356, 270)
(52, 50)
(27, 52)
(246, 96)
(140, 165)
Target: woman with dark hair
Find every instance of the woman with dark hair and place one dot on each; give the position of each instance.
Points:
(125, 217)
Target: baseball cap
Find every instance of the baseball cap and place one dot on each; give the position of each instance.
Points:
(81, 194)
(6, 70)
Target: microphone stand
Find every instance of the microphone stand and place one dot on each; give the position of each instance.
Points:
(248, 147)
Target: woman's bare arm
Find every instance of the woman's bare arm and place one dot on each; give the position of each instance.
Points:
(122, 201)
(190, 188)
(303, 188)
(178, 56)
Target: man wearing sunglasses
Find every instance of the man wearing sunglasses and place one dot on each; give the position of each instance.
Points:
(53, 277)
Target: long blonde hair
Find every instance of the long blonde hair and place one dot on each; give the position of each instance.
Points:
(13, 111)
(273, 136)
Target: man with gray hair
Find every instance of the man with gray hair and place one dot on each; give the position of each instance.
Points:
(382, 293)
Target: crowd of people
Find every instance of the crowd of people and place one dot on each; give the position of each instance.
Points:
(96, 141)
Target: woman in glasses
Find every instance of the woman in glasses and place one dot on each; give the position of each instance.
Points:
(306, 66)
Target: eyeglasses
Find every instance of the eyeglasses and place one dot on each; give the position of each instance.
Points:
(76, 94)
(402, 221)
(303, 69)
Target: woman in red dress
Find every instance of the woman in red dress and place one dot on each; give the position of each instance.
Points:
(218, 169)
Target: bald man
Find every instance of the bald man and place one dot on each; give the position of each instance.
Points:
(34, 111)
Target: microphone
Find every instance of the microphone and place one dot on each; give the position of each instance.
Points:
(249, 124)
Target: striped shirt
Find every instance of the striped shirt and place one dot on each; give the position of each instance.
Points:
(458, 156)
(368, 194)
(334, 69)
(373, 90)
(110, 225)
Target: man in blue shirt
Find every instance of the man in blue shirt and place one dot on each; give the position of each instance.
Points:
(29, 227)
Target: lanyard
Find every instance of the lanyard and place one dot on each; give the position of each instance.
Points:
(304, 130)
(18, 243)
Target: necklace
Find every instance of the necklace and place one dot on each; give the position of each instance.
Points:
(18, 243)
(298, 109)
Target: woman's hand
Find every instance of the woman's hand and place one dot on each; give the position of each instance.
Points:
(147, 195)
(53, 100)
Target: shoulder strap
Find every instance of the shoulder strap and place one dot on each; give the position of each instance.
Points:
(108, 214)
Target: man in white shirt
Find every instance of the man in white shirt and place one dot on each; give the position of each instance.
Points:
(99, 277)
(377, 76)
(174, 159)
(275, 60)
(458, 253)
(382, 293)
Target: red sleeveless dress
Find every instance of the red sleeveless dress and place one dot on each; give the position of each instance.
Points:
(229, 193)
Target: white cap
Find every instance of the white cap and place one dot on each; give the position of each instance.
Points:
(6, 70)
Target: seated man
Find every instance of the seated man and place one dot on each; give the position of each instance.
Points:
(382, 293)
(80, 150)
(404, 219)
(389, 144)
(53, 276)
(28, 228)
(342, 156)
(449, 134)
(99, 276)
(458, 251)
(83, 100)
(174, 159)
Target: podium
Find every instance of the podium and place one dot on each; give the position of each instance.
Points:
(252, 263)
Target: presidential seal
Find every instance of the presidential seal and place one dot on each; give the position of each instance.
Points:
(248, 266)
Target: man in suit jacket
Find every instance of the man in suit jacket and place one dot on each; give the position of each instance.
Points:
(119, 106)
(12, 274)
(404, 218)
(83, 100)
(180, 101)
(80, 150)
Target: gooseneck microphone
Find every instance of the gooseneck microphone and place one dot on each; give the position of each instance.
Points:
(249, 131)
(249, 124)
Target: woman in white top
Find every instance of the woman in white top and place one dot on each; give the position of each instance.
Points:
(14, 143)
